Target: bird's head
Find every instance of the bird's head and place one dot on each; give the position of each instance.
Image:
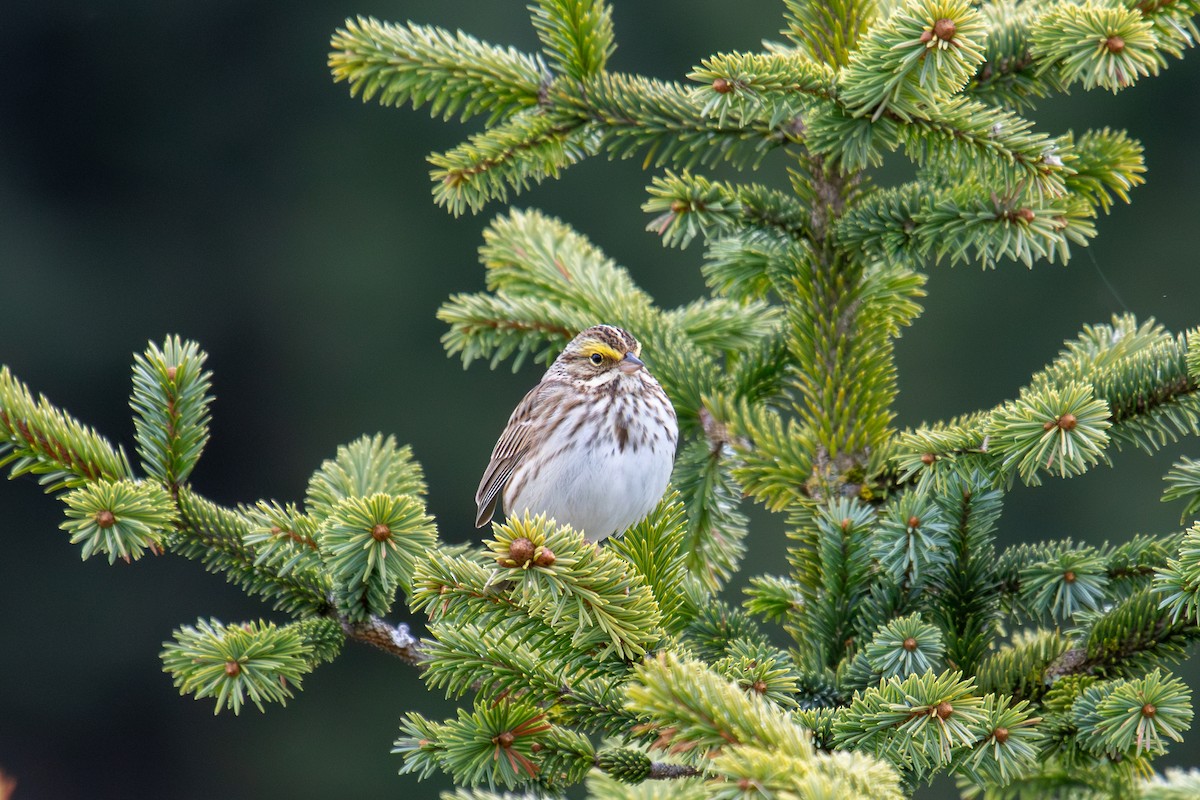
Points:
(601, 353)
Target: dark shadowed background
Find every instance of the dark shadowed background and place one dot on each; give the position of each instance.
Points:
(190, 168)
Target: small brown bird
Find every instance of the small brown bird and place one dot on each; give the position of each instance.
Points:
(591, 446)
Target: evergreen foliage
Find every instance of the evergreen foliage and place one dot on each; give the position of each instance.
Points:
(917, 646)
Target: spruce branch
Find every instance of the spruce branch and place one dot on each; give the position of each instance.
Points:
(767, 772)
(773, 597)
(466, 657)
(369, 465)
(761, 669)
(968, 590)
(693, 708)
(283, 538)
(845, 394)
(920, 55)
(370, 546)
(1061, 432)
(577, 35)
(457, 587)
(1008, 76)
(583, 592)
(217, 537)
(1140, 371)
(453, 73)
(905, 646)
(1110, 47)
(911, 542)
(37, 438)
(965, 224)
(1174, 23)
(1065, 585)
(1128, 639)
(1127, 717)
(530, 254)
(123, 519)
(717, 628)
(917, 723)
(170, 401)
(1029, 571)
(1021, 667)
(1126, 382)
(748, 265)
(1107, 164)
(1179, 580)
(668, 122)
(494, 744)
(742, 85)
(1176, 784)
(236, 663)
(526, 148)
(1010, 748)
(654, 548)
(828, 31)
(1183, 483)
(715, 539)
(988, 140)
(396, 640)
(687, 206)
(775, 462)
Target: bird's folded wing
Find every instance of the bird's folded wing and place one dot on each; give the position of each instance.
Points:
(514, 443)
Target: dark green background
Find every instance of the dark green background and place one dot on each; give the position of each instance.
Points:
(190, 168)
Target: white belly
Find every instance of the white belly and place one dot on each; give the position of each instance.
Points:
(595, 487)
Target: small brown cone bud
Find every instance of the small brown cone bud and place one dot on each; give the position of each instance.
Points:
(105, 518)
(722, 86)
(745, 784)
(1067, 422)
(944, 29)
(944, 709)
(1115, 44)
(760, 687)
(233, 669)
(505, 739)
(537, 747)
(381, 532)
(521, 551)
(1069, 576)
(910, 644)
(914, 522)
(846, 523)
(545, 558)
(928, 458)
(1000, 735)
(171, 373)
(678, 206)
(926, 37)
(1048, 425)
(1026, 215)
(1149, 710)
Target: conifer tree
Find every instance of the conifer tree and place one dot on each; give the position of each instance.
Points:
(901, 642)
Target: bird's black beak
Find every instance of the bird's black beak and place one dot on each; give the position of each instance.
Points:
(630, 364)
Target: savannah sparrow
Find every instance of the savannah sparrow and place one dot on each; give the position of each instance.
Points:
(590, 446)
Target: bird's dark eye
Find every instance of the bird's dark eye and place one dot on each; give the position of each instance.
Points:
(597, 359)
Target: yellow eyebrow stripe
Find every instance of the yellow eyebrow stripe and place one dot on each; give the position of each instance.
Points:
(602, 349)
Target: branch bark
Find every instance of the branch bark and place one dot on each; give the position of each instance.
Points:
(396, 640)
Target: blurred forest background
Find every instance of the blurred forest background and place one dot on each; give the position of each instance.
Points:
(184, 167)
